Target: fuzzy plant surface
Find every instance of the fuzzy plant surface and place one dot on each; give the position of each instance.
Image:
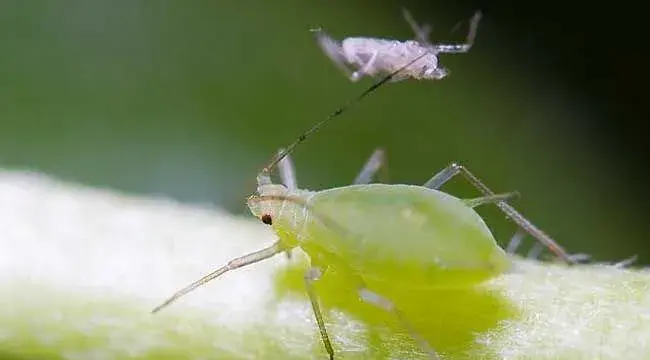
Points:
(81, 269)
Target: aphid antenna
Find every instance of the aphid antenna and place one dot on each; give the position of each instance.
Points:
(257, 256)
(264, 176)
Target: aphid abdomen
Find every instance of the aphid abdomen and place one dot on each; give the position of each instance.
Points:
(405, 235)
(358, 50)
(391, 56)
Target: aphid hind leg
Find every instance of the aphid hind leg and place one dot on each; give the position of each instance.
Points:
(534, 252)
(312, 275)
(233, 264)
(380, 301)
(376, 162)
(454, 169)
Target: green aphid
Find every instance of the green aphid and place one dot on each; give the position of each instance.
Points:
(401, 236)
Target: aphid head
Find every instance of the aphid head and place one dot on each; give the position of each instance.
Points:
(434, 72)
(281, 209)
(266, 204)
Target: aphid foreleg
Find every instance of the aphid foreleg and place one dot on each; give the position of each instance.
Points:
(233, 264)
(313, 274)
(469, 41)
(421, 33)
(287, 172)
(367, 68)
(375, 162)
(288, 176)
(454, 169)
(333, 50)
(380, 301)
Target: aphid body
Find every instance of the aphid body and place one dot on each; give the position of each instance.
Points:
(386, 235)
(389, 55)
(379, 57)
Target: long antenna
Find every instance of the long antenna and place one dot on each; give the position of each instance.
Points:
(289, 149)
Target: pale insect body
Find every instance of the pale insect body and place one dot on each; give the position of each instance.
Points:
(406, 245)
(380, 57)
(395, 236)
(373, 56)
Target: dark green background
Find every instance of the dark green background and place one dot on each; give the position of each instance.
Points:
(190, 99)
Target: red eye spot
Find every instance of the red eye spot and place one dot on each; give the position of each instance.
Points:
(266, 218)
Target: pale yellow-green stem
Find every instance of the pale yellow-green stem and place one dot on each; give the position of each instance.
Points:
(81, 269)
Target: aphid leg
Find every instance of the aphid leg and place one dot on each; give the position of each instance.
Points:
(380, 301)
(287, 172)
(288, 176)
(626, 262)
(233, 264)
(375, 162)
(515, 241)
(469, 40)
(535, 251)
(421, 33)
(580, 258)
(454, 169)
(491, 199)
(367, 68)
(333, 50)
(313, 274)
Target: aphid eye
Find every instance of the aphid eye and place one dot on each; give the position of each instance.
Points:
(266, 218)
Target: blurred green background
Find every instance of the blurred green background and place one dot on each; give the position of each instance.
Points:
(190, 99)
